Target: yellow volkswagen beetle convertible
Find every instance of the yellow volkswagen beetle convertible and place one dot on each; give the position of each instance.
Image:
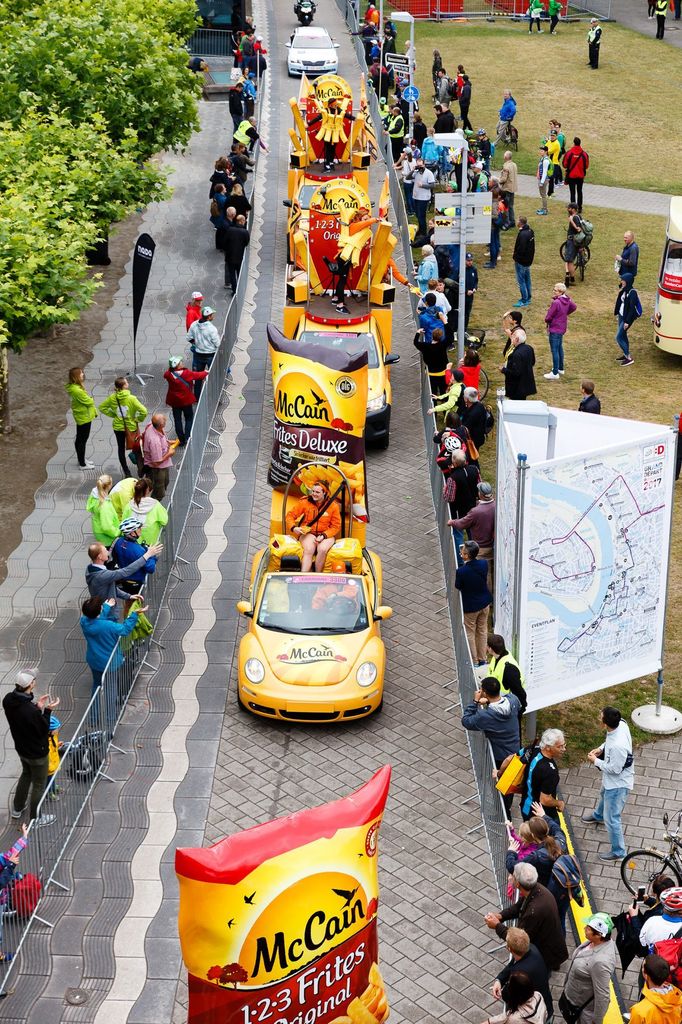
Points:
(313, 650)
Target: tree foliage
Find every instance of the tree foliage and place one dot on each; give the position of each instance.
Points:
(109, 57)
(91, 90)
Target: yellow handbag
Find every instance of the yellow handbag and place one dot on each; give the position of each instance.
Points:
(512, 776)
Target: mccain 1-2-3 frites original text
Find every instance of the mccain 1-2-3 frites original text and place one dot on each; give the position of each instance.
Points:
(278, 924)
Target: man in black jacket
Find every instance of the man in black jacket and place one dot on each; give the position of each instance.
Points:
(519, 380)
(465, 103)
(527, 958)
(536, 913)
(524, 254)
(589, 402)
(473, 416)
(235, 101)
(29, 724)
(236, 241)
(470, 287)
(445, 120)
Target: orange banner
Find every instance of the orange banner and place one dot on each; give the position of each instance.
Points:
(278, 923)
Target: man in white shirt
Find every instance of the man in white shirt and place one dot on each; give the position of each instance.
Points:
(424, 184)
(665, 925)
(544, 165)
(615, 762)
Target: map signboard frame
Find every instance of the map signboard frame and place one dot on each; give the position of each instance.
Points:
(595, 543)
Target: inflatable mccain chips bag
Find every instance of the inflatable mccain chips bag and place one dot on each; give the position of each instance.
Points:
(278, 924)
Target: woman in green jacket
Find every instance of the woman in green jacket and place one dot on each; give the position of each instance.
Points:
(554, 11)
(84, 412)
(148, 510)
(127, 412)
(105, 521)
(536, 9)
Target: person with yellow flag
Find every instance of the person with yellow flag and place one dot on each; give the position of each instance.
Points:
(355, 232)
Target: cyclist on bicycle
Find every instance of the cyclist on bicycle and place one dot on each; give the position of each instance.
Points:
(574, 228)
(507, 115)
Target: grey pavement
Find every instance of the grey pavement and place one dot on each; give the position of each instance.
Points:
(629, 199)
(633, 14)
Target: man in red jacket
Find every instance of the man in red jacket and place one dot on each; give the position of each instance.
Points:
(180, 396)
(576, 162)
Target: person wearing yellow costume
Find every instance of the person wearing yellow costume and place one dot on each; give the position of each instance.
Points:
(355, 232)
(331, 119)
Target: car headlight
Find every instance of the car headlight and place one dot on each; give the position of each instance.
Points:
(254, 671)
(375, 404)
(366, 674)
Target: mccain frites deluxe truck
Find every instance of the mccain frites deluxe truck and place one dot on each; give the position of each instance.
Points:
(278, 924)
(320, 405)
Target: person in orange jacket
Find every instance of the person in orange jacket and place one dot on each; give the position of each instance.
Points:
(661, 1001)
(315, 526)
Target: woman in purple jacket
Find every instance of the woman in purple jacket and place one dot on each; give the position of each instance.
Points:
(556, 318)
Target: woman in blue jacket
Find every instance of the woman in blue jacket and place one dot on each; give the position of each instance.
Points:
(102, 633)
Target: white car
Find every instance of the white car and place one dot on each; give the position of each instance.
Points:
(312, 52)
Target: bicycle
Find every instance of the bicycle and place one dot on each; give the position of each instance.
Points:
(639, 867)
(582, 258)
(508, 134)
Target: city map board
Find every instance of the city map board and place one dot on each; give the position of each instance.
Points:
(595, 560)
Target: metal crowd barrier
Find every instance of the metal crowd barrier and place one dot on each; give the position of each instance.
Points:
(492, 807)
(87, 755)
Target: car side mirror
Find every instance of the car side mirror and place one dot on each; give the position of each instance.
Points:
(382, 612)
(336, 45)
(390, 358)
(288, 46)
(287, 202)
(245, 608)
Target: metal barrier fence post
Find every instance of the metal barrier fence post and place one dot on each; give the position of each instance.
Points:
(493, 813)
(88, 756)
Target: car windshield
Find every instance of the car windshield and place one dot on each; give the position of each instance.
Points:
(305, 195)
(311, 42)
(313, 605)
(672, 267)
(334, 340)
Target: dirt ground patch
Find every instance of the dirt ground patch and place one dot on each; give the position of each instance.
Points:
(39, 403)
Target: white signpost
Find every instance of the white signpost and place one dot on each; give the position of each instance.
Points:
(448, 218)
(584, 510)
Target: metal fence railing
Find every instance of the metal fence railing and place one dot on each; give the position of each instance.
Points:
(444, 10)
(87, 755)
(211, 42)
(492, 808)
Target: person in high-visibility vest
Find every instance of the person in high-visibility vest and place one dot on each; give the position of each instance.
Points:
(505, 668)
(593, 43)
(247, 135)
(661, 11)
(396, 131)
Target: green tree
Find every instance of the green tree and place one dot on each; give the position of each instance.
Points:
(85, 57)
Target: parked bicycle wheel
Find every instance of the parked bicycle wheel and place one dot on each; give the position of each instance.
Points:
(483, 384)
(582, 260)
(638, 867)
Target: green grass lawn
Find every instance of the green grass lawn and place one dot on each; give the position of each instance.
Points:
(625, 113)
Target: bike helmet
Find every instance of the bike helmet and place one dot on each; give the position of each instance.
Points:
(54, 723)
(481, 131)
(130, 525)
(672, 900)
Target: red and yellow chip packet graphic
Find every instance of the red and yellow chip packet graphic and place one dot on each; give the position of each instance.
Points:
(320, 407)
(278, 923)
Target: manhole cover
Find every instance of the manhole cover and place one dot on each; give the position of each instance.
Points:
(76, 996)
